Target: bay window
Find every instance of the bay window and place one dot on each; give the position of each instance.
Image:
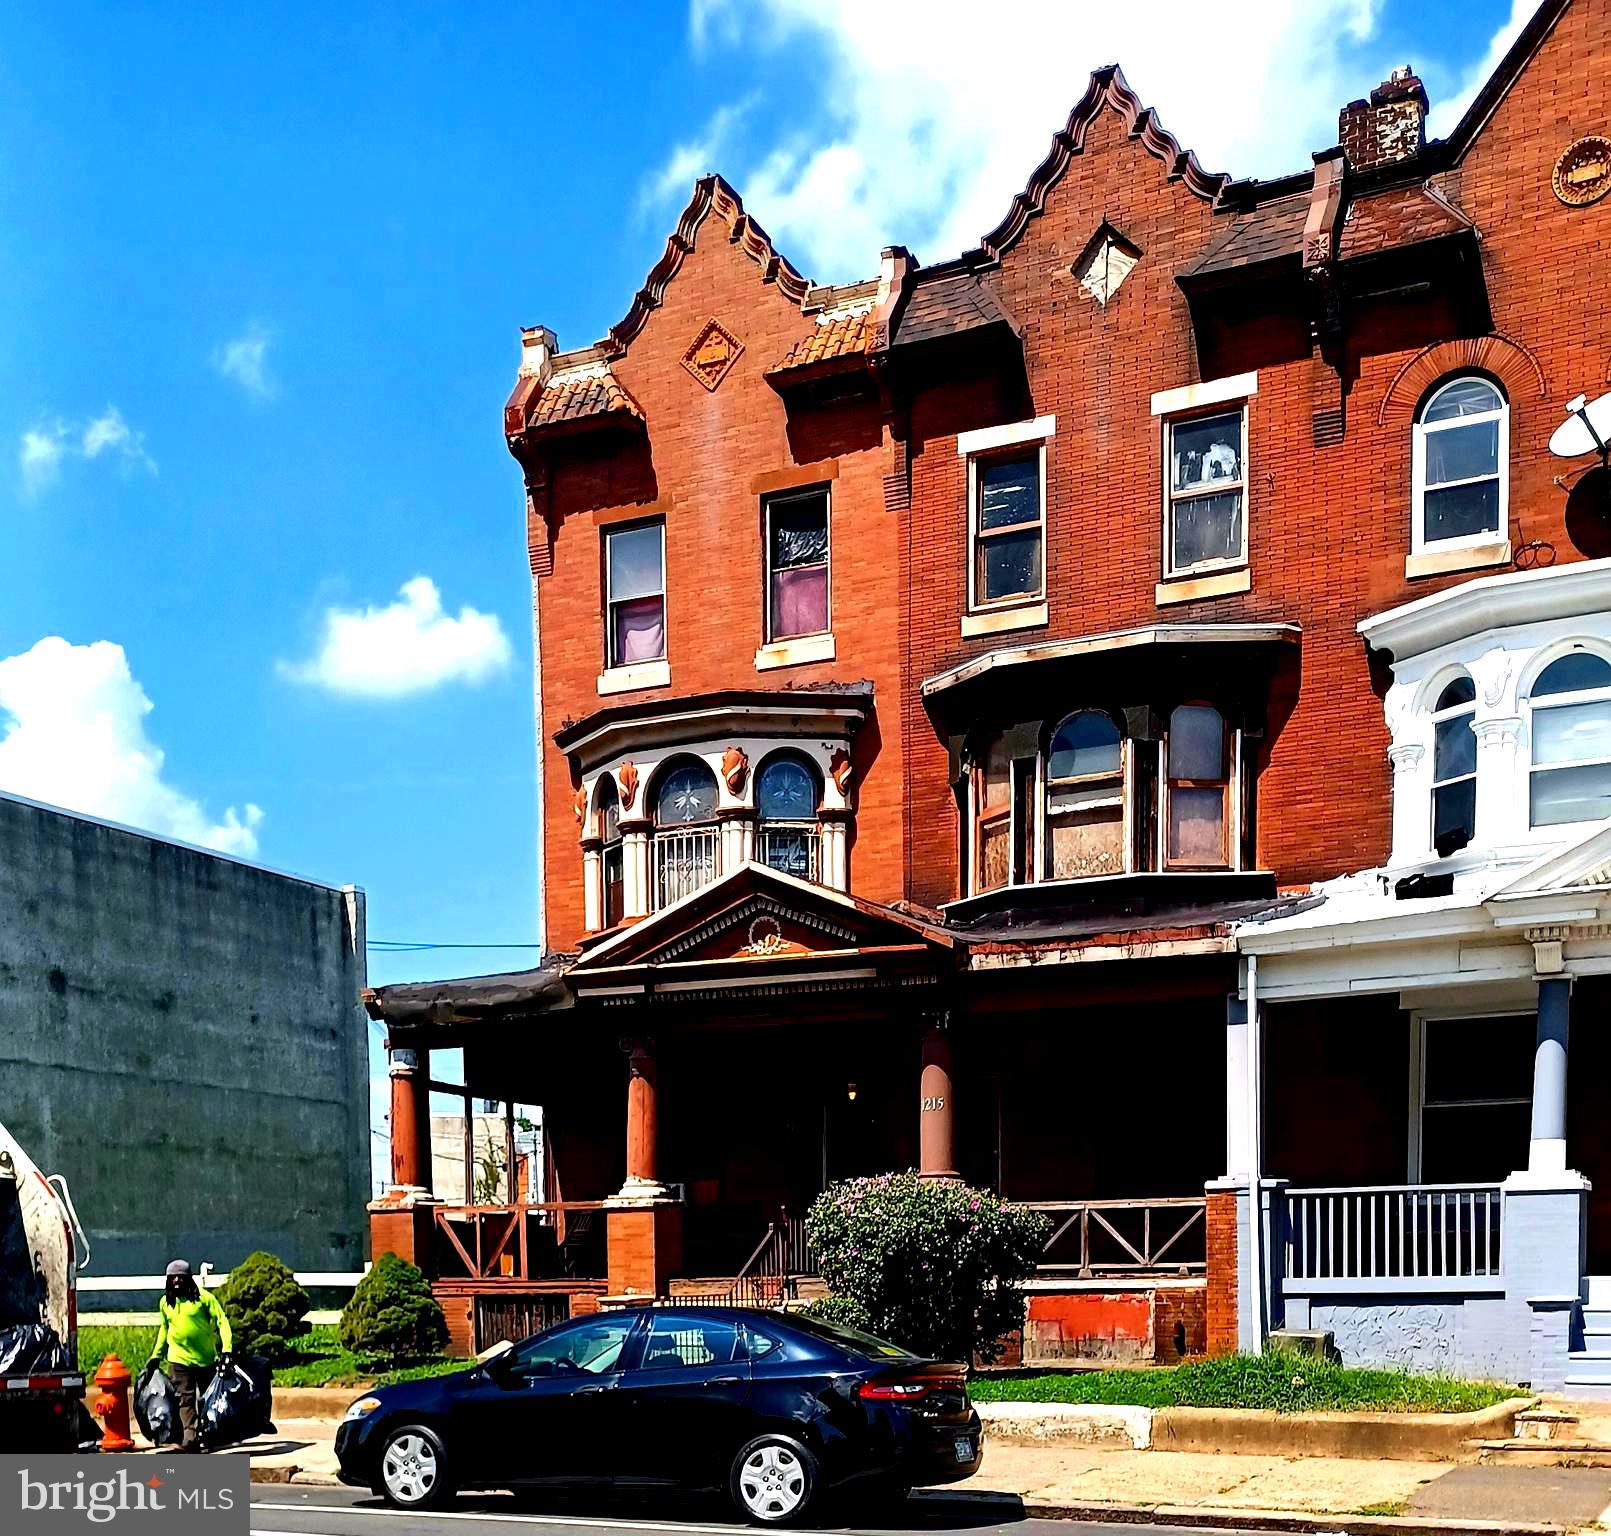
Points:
(635, 594)
(1571, 759)
(612, 865)
(1197, 790)
(992, 821)
(685, 846)
(786, 798)
(1454, 767)
(1085, 798)
(797, 584)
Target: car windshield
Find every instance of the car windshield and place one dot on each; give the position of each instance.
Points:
(852, 1339)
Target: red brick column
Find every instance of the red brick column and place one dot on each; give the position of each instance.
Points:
(1223, 1273)
(643, 1227)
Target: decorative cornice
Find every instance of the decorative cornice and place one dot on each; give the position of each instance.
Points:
(711, 195)
(1107, 88)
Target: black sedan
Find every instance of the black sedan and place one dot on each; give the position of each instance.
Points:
(774, 1408)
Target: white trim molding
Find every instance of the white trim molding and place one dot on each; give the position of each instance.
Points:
(985, 439)
(1236, 386)
(642, 674)
(994, 621)
(794, 653)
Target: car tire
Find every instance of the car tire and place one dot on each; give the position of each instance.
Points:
(773, 1481)
(413, 1468)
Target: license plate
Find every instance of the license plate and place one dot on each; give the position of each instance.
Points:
(964, 1448)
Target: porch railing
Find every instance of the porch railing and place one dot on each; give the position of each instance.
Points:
(685, 859)
(1442, 1232)
(553, 1241)
(1124, 1237)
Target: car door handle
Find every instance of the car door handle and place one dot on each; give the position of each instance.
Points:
(724, 1381)
(586, 1391)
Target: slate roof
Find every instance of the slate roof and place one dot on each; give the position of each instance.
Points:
(1267, 233)
(1398, 216)
(947, 306)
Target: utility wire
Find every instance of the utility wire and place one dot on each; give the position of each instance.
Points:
(408, 946)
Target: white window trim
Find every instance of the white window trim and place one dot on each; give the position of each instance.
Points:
(1488, 540)
(1018, 600)
(641, 674)
(985, 439)
(774, 499)
(1189, 397)
(795, 653)
(1438, 717)
(610, 665)
(1536, 707)
(1201, 568)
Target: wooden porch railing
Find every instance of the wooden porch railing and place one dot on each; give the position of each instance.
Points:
(1166, 1236)
(521, 1242)
(1395, 1232)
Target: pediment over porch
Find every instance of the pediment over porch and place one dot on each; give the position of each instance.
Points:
(1565, 895)
(760, 925)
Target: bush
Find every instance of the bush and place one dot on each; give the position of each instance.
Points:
(932, 1264)
(265, 1306)
(392, 1314)
(839, 1309)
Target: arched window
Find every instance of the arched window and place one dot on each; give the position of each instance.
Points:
(1197, 790)
(685, 836)
(992, 817)
(1085, 798)
(1454, 767)
(786, 797)
(1571, 770)
(611, 859)
(1461, 461)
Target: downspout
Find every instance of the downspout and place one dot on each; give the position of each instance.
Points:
(1255, 1136)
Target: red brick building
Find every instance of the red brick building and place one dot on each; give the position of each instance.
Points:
(934, 669)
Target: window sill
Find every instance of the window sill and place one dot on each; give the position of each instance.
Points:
(1466, 557)
(1191, 590)
(1000, 620)
(793, 653)
(643, 674)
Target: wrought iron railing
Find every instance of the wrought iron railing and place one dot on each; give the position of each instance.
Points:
(794, 851)
(685, 858)
(1124, 1237)
(1395, 1232)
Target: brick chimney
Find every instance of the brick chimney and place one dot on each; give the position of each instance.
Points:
(1390, 126)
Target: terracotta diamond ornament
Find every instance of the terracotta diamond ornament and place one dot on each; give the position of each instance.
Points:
(714, 351)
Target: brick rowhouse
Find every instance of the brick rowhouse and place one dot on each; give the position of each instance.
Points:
(1013, 473)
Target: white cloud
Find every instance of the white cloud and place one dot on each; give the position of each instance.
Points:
(408, 646)
(74, 736)
(1445, 114)
(935, 120)
(693, 158)
(43, 449)
(245, 360)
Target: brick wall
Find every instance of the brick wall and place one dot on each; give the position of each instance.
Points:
(1219, 1321)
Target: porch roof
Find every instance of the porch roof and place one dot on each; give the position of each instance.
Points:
(414, 1005)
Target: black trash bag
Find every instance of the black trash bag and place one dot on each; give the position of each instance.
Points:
(235, 1404)
(156, 1406)
(32, 1349)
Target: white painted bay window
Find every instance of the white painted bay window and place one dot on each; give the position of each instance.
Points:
(1571, 765)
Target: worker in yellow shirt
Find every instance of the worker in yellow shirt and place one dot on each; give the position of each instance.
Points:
(192, 1337)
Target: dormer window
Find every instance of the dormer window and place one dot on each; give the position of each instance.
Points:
(1460, 466)
(1454, 767)
(1571, 763)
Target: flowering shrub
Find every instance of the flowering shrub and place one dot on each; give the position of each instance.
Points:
(929, 1264)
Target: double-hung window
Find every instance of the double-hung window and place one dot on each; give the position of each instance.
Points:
(1085, 798)
(1454, 767)
(635, 594)
(796, 565)
(1571, 712)
(1460, 466)
(1205, 492)
(992, 817)
(1008, 527)
(1197, 789)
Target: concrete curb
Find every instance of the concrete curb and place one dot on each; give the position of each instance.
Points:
(1255, 1432)
(1300, 1521)
(316, 1404)
(296, 1475)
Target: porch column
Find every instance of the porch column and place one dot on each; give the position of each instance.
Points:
(642, 1152)
(635, 888)
(643, 1228)
(410, 1118)
(1546, 1151)
(936, 1111)
(1238, 1105)
(737, 847)
(1412, 809)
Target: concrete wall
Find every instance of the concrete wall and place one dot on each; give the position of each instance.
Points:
(181, 1036)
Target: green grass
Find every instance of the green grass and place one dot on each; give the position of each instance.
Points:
(1280, 1383)
(1384, 1507)
(320, 1362)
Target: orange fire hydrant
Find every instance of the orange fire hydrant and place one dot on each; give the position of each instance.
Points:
(111, 1405)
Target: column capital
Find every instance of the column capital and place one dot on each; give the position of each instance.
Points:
(1404, 755)
(402, 1061)
(1501, 728)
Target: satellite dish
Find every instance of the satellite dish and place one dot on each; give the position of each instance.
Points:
(1587, 429)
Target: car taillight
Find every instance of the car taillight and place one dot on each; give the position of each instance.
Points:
(907, 1391)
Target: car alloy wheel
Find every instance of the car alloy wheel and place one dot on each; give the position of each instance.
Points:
(773, 1482)
(410, 1468)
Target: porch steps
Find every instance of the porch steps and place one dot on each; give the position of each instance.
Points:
(1588, 1370)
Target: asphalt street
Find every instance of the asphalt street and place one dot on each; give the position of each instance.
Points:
(345, 1512)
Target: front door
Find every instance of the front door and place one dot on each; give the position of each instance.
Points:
(683, 1415)
(546, 1411)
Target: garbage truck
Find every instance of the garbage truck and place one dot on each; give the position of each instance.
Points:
(42, 1245)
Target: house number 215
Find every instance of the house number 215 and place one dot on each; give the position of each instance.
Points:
(933, 1101)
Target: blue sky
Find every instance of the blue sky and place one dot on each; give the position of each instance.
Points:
(261, 276)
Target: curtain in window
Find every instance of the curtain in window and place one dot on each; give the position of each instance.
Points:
(799, 601)
(640, 630)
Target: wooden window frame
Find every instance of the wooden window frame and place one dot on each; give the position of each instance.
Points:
(1230, 786)
(609, 532)
(1171, 496)
(1006, 454)
(1048, 784)
(777, 499)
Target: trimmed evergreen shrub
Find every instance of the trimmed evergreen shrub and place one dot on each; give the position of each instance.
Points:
(265, 1306)
(393, 1315)
(933, 1265)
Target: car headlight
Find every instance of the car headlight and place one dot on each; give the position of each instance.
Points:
(361, 1409)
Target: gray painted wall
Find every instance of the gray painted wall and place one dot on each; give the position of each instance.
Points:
(182, 1035)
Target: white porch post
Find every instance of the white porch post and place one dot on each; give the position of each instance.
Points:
(1501, 812)
(1546, 1151)
(1412, 806)
(1238, 1107)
